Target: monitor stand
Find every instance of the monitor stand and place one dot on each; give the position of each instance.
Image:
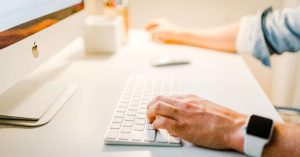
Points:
(33, 103)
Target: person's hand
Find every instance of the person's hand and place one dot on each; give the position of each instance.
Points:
(221, 38)
(198, 121)
(164, 31)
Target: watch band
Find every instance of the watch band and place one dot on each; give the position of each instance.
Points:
(254, 146)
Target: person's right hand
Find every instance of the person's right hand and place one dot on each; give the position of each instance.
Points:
(198, 121)
(164, 31)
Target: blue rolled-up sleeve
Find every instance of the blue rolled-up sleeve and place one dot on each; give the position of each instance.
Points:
(269, 33)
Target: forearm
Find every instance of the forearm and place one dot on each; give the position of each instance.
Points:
(220, 38)
(285, 140)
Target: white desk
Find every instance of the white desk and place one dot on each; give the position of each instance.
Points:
(78, 128)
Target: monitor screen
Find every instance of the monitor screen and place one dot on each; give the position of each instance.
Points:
(22, 18)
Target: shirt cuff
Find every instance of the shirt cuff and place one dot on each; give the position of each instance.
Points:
(251, 40)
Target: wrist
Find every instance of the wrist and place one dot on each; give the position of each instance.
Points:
(236, 136)
(180, 35)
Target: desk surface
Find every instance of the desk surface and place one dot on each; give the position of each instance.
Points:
(78, 128)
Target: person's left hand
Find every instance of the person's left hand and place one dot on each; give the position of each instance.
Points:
(164, 31)
(198, 121)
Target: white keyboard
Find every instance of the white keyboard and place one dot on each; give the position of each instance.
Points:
(129, 125)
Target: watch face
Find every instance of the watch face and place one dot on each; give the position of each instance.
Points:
(259, 126)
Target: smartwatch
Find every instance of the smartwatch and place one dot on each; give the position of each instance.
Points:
(257, 134)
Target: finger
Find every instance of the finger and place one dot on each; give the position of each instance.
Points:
(165, 123)
(164, 99)
(161, 109)
(151, 26)
(154, 24)
(179, 96)
(187, 96)
(158, 39)
(157, 35)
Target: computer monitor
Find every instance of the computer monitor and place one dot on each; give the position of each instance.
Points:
(33, 31)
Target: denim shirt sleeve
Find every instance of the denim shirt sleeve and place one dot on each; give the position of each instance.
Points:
(269, 33)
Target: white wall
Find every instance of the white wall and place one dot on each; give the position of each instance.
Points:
(286, 75)
(296, 93)
(197, 13)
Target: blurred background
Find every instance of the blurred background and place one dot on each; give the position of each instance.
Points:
(281, 82)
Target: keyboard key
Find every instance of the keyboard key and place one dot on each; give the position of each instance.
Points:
(137, 92)
(126, 97)
(112, 133)
(136, 96)
(133, 108)
(149, 126)
(128, 123)
(141, 116)
(115, 125)
(124, 136)
(130, 113)
(143, 107)
(162, 136)
(117, 120)
(121, 109)
(126, 129)
(135, 100)
(119, 114)
(124, 102)
(129, 118)
(145, 102)
(140, 121)
(139, 127)
(135, 104)
(149, 135)
(142, 111)
(173, 139)
(137, 135)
